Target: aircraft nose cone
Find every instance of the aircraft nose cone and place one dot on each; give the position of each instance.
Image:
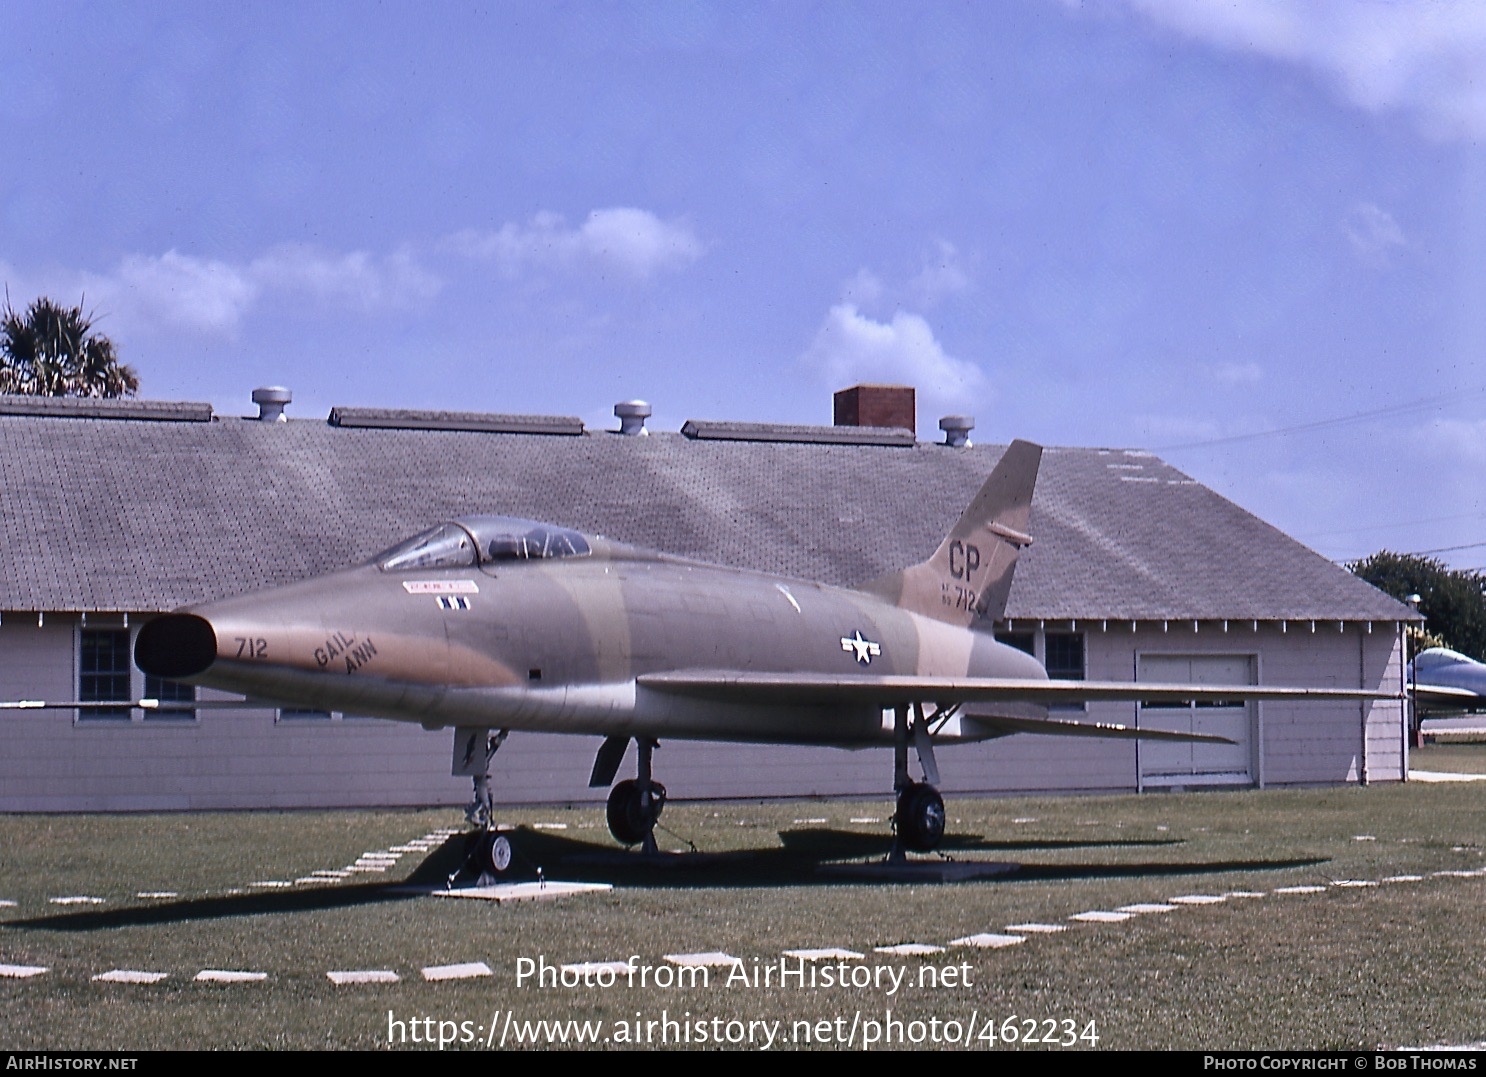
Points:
(175, 646)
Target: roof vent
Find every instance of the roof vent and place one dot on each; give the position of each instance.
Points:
(957, 430)
(271, 401)
(632, 415)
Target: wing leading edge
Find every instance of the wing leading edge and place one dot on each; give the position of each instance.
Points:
(895, 690)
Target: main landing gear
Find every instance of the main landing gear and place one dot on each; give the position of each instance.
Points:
(918, 822)
(635, 803)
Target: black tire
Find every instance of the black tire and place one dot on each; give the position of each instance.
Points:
(628, 820)
(921, 817)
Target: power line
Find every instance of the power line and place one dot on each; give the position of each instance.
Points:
(1322, 424)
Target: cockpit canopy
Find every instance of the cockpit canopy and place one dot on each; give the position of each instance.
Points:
(482, 540)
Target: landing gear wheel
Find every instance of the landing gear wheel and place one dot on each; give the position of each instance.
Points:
(629, 822)
(495, 853)
(920, 817)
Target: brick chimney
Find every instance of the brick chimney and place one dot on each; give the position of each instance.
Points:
(877, 405)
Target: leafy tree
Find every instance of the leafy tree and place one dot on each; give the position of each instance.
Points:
(52, 350)
(1451, 600)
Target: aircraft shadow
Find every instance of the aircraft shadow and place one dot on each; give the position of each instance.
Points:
(798, 861)
(301, 899)
(806, 858)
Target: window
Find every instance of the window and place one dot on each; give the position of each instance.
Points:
(1065, 656)
(169, 692)
(103, 673)
(106, 674)
(1064, 661)
(1022, 641)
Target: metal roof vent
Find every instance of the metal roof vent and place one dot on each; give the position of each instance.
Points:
(957, 430)
(271, 401)
(632, 415)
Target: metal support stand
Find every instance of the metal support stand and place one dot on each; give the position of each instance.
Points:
(897, 854)
(645, 747)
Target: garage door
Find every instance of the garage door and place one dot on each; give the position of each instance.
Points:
(1166, 764)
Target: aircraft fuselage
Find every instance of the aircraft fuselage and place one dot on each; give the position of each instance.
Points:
(556, 644)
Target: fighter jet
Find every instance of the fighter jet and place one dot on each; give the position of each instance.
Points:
(490, 624)
(1446, 683)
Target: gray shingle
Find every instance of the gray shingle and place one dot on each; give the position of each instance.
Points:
(103, 514)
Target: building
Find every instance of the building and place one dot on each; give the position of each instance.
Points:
(116, 510)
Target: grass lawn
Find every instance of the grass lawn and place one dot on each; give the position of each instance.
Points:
(1349, 966)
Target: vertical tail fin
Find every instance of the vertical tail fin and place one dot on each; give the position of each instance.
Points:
(969, 577)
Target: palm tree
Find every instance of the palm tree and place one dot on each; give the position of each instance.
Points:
(51, 350)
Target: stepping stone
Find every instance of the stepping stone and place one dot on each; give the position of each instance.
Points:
(1300, 890)
(467, 971)
(1097, 916)
(829, 954)
(1355, 882)
(363, 976)
(910, 949)
(1036, 929)
(6, 903)
(130, 976)
(549, 826)
(595, 968)
(157, 895)
(77, 899)
(230, 976)
(550, 890)
(710, 959)
(1243, 894)
(1198, 899)
(989, 941)
(1404, 879)
(21, 972)
(809, 822)
(1142, 907)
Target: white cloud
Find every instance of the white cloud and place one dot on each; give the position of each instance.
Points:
(1424, 56)
(851, 348)
(206, 295)
(864, 289)
(1373, 233)
(635, 241)
(1237, 373)
(1459, 438)
(942, 275)
(357, 278)
(195, 293)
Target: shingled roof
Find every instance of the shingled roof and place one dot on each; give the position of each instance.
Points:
(139, 513)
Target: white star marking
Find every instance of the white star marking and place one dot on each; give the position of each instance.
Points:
(864, 649)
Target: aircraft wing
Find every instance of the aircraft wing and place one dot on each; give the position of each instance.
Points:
(898, 689)
(1436, 700)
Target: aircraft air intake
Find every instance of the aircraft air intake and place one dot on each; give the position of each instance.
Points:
(176, 645)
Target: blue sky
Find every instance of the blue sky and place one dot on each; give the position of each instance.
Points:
(1140, 223)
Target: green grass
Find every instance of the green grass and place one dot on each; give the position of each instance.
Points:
(1394, 964)
(1460, 753)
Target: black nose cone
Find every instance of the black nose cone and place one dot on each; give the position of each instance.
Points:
(175, 646)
